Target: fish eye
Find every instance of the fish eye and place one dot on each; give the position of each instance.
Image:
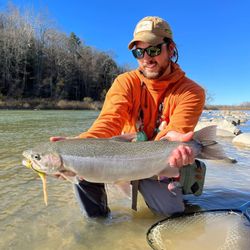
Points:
(37, 157)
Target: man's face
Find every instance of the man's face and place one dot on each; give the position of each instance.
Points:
(153, 67)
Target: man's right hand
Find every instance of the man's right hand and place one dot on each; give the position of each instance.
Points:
(182, 155)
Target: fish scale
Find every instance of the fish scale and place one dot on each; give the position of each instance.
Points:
(105, 147)
(109, 160)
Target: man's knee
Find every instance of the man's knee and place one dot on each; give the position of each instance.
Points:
(159, 199)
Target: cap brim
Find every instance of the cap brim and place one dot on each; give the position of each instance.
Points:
(147, 37)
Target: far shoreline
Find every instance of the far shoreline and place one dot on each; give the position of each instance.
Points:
(86, 104)
(48, 104)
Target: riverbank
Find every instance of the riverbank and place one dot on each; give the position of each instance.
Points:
(46, 104)
(86, 104)
(227, 107)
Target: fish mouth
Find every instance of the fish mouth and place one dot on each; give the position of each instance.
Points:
(29, 164)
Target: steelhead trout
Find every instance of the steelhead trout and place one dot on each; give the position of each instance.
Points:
(111, 160)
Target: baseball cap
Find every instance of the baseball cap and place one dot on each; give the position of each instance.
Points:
(152, 30)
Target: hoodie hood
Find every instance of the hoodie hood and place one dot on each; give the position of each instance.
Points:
(165, 80)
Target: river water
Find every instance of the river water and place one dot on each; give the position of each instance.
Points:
(25, 221)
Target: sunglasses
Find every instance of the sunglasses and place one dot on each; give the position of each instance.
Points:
(152, 51)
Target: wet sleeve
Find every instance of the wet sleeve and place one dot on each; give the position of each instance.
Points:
(115, 112)
(186, 113)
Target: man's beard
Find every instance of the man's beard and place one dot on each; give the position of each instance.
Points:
(154, 74)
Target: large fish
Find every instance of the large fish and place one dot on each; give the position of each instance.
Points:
(112, 160)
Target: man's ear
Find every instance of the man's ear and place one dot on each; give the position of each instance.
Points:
(171, 47)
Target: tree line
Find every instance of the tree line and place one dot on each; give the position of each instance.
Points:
(38, 61)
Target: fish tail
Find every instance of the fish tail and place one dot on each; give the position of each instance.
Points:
(206, 134)
(210, 148)
(213, 151)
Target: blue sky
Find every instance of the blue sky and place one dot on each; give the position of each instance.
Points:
(212, 36)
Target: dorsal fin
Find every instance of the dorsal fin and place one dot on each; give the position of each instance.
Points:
(129, 137)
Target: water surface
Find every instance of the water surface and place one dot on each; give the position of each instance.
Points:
(25, 221)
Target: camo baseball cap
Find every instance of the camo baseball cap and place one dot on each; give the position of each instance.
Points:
(152, 30)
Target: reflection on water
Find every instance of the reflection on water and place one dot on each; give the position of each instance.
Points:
(26, 223)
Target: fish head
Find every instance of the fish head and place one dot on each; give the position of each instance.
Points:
(48, 163)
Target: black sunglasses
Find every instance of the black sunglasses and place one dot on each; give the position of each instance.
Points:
(152, 51)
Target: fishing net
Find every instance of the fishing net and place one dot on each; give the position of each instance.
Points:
(220, 230)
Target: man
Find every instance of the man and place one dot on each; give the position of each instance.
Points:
(156, 101)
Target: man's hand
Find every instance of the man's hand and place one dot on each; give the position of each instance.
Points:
(182, 155)
(65, 175)
(60, 138)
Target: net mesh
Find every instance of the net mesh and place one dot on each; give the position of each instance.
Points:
(210, 230)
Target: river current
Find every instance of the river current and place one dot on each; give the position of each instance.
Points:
(25, 221)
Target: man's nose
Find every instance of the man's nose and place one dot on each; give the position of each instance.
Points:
(147, 57)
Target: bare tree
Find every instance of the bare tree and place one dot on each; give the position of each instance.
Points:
(37, 60)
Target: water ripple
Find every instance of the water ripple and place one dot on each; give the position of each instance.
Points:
(26, 223)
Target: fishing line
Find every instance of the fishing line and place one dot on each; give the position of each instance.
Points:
(230, 229)
(76, 182)
(87, 194)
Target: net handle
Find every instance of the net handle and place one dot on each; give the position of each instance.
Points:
(245, 209)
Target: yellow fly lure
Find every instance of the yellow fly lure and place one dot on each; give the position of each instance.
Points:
(28, 164)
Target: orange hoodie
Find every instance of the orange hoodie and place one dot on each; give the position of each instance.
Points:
(183, 102)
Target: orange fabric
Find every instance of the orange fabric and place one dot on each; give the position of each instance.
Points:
(183, 103)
